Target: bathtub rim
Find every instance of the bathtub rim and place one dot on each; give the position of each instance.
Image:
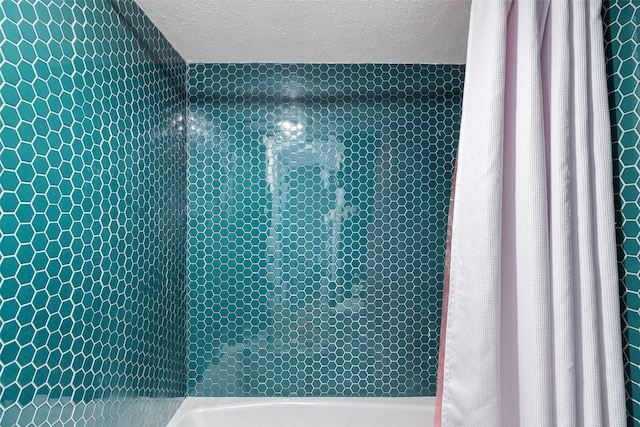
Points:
(205, 404)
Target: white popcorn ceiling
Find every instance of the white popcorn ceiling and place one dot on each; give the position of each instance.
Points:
(314, 31)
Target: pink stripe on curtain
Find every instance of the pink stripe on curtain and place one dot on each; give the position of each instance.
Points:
(445, 304)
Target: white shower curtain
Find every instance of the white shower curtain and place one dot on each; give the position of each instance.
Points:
(531, 322)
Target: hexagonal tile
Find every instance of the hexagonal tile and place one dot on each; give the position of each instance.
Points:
(622, 21)
(92, 199)
(314, 179)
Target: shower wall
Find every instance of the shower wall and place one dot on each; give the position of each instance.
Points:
(318, 198)
(622, 23)
(317, 205)
(93, 222)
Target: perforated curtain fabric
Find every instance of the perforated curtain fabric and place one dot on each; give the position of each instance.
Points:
(531, 318)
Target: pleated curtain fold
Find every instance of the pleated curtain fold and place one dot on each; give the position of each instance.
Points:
(531, 322)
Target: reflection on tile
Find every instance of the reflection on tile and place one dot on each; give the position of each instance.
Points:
(318, 199)
(92, 225)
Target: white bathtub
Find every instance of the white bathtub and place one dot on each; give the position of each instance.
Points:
(307, 412)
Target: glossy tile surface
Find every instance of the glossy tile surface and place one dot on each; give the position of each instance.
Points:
(622, 26)
(92, 223)
(317, 210)
(318, 199)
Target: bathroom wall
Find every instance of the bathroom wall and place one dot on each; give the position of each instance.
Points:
(318, 199)
(622, 22)
(93, 225)
(299, 177)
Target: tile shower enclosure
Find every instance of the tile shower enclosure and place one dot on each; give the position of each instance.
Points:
(317, 199)
(92, 222)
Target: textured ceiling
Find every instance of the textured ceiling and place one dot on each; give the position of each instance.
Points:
(316, 31)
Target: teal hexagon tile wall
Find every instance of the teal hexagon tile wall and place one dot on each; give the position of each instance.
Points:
(313, 268)
(622, 23)
(92, 225)
(318, 199)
